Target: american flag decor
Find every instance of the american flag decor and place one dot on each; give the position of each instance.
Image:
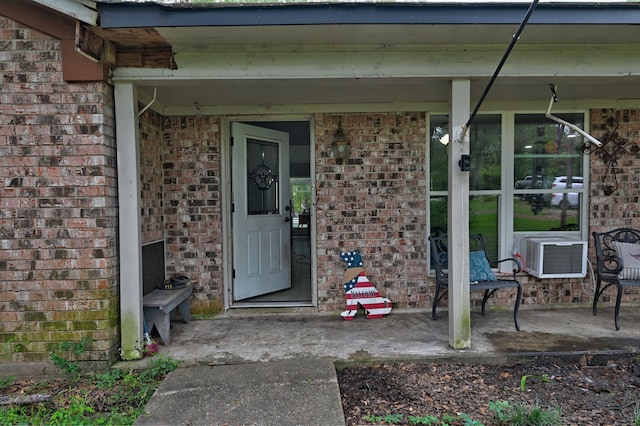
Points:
(359, 290)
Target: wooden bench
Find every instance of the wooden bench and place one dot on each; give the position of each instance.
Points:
(159, 307)
(612, 248)
(487, 282)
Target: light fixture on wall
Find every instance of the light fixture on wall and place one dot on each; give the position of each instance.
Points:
(340, 146)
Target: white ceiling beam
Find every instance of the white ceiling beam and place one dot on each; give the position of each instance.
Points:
(539, 62)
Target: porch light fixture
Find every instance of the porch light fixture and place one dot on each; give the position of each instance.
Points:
(340, 146)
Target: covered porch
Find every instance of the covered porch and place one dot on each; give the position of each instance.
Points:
(436, 59)
(247, 337)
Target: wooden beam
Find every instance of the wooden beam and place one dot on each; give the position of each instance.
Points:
(146, 58)
(75, 65)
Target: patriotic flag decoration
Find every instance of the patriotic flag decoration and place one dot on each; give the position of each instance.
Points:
(359, 290)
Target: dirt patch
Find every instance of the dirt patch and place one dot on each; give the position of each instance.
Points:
(589, 390)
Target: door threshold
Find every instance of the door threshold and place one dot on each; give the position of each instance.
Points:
(244, 305)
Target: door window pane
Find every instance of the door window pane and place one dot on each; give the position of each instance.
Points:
(262, 176)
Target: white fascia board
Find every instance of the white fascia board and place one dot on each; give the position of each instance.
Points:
(83, 10)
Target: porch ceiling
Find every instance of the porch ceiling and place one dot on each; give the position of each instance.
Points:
(195, 94)
(213, 48)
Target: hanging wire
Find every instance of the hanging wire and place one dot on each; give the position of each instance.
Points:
(514, 40)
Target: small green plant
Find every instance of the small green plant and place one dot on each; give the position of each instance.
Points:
(525, 414)
(423, 420)
(523, 381)
(7, 381)
(386, 419)
(636, 414)
(444, 420)
(60, 358)
(76, 413)
(22, 415)
(107, 380)
(468, 421)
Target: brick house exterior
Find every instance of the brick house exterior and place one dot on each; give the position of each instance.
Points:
(59, 247)
(59, 207)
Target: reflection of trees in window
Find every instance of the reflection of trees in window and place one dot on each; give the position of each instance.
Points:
(438, 146)
(546, 149)
(301, 194)
(485, 138)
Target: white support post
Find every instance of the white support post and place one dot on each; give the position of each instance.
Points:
(458, 218)
(131, 325)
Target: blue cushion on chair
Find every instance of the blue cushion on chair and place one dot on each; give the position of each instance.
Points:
(479, 268)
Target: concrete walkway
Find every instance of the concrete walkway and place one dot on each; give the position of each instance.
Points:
(246, 368)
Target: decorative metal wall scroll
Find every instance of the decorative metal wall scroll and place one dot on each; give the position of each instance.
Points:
(613, 148)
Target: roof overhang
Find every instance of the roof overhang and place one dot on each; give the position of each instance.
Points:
(270, 54)
(131, 15)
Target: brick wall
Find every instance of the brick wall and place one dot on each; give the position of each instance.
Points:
(192, 206)
(615, 179)
(375, 202)
(152, 193)
(58, 205)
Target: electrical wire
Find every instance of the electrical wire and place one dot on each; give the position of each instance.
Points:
(514, 40)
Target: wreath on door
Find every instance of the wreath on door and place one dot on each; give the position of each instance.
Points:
(262, 177)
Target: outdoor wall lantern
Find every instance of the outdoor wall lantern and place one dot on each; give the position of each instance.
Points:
(340, 146)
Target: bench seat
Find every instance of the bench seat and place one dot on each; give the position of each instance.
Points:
(159, 307)
(439, 258)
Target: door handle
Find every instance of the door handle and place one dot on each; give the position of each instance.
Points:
(289, 210)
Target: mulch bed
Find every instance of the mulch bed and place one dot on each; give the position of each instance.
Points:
(603, 391)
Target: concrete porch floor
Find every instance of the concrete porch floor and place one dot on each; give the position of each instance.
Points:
(251, 368)
(249, 336)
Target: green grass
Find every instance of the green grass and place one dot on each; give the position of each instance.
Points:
(114, 398)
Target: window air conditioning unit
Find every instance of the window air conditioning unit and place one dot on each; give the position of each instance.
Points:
(554, 257)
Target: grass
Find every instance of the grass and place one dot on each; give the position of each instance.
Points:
(114, 398)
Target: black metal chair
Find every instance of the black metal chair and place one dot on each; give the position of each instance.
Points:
(439, 255)
(610, 265)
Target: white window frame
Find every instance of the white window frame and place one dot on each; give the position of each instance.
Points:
(508, 238)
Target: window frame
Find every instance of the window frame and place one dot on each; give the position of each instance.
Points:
(508, 239)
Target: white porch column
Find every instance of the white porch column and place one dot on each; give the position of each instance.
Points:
(458, 219)
(126, 113)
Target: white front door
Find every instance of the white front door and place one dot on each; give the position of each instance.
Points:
(261, 211)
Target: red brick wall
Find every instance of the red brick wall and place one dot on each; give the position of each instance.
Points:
(622, 207)
(58, 205)
(192, 206)
(375, 202)
(151, 160)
